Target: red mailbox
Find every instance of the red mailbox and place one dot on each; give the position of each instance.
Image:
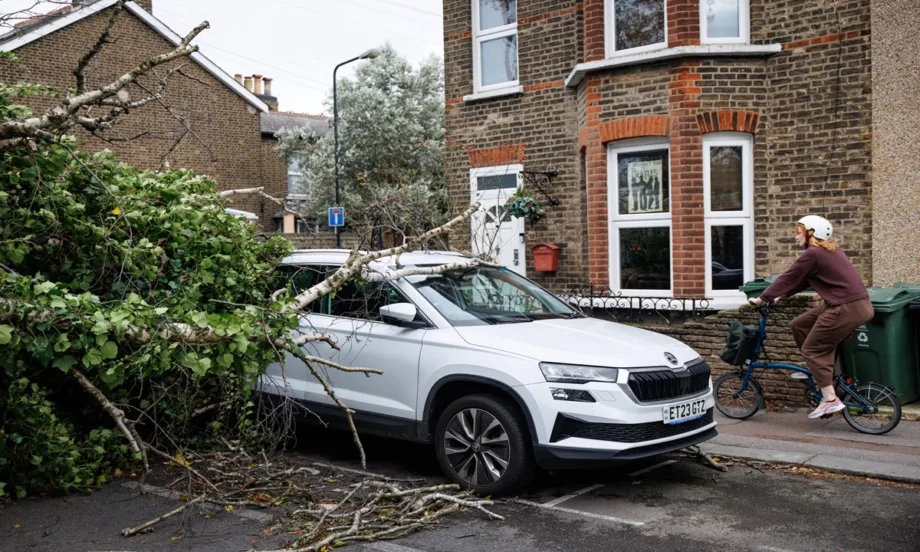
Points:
(545, 257)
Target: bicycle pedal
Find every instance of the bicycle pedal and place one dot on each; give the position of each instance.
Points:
(826, 416)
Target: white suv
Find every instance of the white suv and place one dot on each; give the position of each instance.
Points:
(496, 372)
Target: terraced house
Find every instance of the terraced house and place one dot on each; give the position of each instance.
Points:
(673, 143)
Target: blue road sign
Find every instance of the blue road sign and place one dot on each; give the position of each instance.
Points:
(336, 216)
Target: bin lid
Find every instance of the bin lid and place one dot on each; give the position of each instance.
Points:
(549, 246)
(759, 283)
(905, 285)
(892, 299)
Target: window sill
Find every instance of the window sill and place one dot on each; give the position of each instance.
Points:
(706, 50)
(510, 91)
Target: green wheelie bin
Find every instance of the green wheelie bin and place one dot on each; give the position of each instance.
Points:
(884, 350)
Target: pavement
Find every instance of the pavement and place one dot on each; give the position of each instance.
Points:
(789, 437)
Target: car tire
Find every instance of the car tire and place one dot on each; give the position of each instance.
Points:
(483, 445)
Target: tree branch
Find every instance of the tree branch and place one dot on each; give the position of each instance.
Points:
(357, 262)
(97, 47)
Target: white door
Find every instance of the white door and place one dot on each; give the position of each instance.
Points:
(494, 231)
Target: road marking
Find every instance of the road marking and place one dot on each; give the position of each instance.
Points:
(385, 546)
(562, 499)
(578, 512)
(650, 468)
(163, 493)
(773, 549)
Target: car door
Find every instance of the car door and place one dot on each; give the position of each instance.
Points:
(353, 321)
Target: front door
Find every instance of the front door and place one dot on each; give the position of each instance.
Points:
(495, 233)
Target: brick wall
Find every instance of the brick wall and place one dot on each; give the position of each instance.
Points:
(230, 150)
(811, 145)
(542, 121)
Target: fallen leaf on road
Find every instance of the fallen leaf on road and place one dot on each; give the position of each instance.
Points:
(228, 507)
(16, 526)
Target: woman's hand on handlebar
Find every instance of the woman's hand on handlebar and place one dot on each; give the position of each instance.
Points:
(755, 301)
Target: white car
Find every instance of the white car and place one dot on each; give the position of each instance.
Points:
(497, 373)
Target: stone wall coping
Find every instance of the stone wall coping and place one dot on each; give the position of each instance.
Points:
(510, 91)
(715, 50)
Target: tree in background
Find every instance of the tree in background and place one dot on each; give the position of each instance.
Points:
(391, 149)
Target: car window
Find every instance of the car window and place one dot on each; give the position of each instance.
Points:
(302, 278)
(359, 299)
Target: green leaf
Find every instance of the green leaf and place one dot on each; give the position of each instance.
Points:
(6, 334)
(44, 287)
(93, 357)
(65, 363)
(160, 311)
(109, 350)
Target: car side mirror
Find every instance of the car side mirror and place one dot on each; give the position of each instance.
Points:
(401, 314)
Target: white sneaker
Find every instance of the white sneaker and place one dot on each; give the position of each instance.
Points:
(799, 376)
(826, 408)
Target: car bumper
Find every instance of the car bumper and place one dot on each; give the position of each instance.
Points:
(551, 457)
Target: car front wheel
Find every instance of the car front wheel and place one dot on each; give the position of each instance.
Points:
(482, 444)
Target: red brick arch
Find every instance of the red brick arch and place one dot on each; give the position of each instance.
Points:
(634, 127)
(728, 121)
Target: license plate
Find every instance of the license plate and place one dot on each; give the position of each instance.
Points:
(684, 412)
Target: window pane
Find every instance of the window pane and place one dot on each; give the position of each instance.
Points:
(496, 13)
(497, 182)
(645, 258)
(727, 257)
(723, 18)
(499, 60)
(643, 182)
(726, 179)
(638, 23)
(363, 299)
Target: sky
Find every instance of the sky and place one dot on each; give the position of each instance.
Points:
(298, 43)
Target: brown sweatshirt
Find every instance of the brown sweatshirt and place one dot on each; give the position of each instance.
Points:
(831, 275)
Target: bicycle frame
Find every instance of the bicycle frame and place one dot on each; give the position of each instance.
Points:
(755, 363)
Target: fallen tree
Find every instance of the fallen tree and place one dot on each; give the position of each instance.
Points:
(136, 314)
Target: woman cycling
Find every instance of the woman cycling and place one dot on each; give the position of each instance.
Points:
(825, 267)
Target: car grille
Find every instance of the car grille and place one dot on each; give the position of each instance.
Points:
(663, 385)
(566, 427)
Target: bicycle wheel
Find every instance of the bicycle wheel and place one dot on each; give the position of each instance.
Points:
(729, 402)
(883, 415)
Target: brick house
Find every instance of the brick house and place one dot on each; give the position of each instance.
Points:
(228, 116)
(686, 136)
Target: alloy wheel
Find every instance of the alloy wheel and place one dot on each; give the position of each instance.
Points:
(477, 447)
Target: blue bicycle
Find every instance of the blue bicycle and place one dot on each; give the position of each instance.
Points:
(870, 407)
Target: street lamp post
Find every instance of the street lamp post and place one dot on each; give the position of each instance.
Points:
(370, 54)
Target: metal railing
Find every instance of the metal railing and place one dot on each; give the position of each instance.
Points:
(602, 302)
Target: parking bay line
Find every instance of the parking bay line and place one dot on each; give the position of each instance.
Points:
(562, 499)
(650, 468)
(577, 512)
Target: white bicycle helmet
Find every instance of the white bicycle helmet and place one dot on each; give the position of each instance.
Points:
(819, 225)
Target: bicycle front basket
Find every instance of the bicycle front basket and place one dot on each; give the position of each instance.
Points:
(740, 343)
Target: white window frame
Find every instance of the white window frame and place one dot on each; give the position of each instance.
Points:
(744, 25)
(618, 221)
(291, 173)
(480, 36)
(610, 33)
(744, 217)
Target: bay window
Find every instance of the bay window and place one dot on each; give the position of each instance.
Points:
(634, 26)
(724, 21)
(640, 229)
(495, 45)
(728, 196)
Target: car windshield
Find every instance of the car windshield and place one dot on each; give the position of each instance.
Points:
(482, 295)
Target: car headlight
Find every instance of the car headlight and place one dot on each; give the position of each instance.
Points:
(571, 373)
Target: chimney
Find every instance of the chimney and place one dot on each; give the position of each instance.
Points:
(239, 78)
(247, 82)
(257, 84)
(266, 95)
